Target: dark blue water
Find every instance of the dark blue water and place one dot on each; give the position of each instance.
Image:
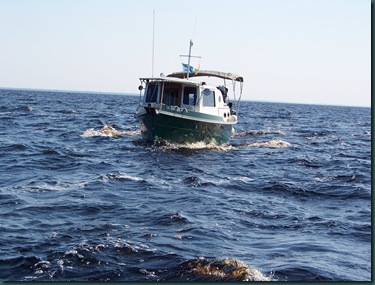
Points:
(83, 198)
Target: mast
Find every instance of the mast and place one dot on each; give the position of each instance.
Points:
(153, 41)
(188, 67)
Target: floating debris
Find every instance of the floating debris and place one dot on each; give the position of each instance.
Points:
(226, 270)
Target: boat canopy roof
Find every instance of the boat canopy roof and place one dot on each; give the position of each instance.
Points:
(166, 79)
(225, 75)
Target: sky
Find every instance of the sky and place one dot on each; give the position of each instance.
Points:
(293, 51)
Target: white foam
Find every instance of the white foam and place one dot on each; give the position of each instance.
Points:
(126, 176)
(56, 186)
(274, 143)
(243, 179)
(108, 131)
(259, 133)
(213, 145)
(120, 176)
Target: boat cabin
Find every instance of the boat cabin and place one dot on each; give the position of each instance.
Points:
(189, 95)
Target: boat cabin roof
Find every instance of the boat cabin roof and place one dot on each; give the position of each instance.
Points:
(219, 74)
(181, 81)
(168, 79)
(180, 77)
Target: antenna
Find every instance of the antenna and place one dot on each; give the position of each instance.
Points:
(189, 56)
(188, 67)
(195, 25)
(153, 41)
(191, 44)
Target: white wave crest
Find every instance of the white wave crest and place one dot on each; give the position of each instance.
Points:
(243, 179)
(107, 131)
(274, 143)
(120, 176)
(259, 133)
(213, 145)
(53, 186)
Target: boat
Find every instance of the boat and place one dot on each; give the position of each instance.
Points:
(183, 107)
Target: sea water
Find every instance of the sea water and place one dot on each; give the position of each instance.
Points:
(84, 198)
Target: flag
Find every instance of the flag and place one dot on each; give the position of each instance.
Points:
(196, 70)
(185, 68)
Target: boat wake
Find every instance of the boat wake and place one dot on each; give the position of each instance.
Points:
(257, 133)
(112, 132)
(238, 139)
(108, 131)
(201, 145)
(274, 143)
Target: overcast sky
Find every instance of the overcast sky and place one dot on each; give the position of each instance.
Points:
(298, 51)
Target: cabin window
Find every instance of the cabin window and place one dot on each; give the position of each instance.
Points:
(152, 93)
(170, 96)
(190, 96)
(208, 98)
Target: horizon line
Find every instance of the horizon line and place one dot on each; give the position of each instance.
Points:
(135, 94)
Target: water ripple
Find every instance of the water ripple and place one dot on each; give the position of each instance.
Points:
(83, 198)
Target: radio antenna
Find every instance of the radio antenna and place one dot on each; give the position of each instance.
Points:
(153, 41)
(195, 24)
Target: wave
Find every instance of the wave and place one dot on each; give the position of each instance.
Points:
(187, 148)
(243, 179)
(120, 176)
(258, 133)
(274, 143)
(108, 131)
(225, 270)
(212, 145)
(14, 147)
(51, 186)
(123, 260)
